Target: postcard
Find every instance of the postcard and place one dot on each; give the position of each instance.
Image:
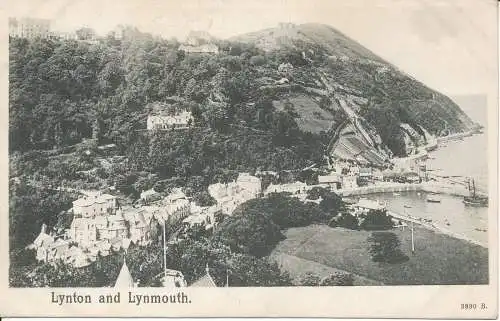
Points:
(226, 158)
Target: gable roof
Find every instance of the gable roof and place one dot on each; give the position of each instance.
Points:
(205, 281)
(124, 279)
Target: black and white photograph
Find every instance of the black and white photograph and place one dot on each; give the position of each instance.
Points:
(222, 144)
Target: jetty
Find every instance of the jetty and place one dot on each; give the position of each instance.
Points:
(428, 187)
(432, 226)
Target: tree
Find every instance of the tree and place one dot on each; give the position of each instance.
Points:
(376, 220)
(203, 198)
(252, 233)
(345, 220)
(246, 270)
(385, 248)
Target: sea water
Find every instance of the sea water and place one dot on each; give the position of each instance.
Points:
(464, 158)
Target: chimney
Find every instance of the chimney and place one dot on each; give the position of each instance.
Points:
(44, 229)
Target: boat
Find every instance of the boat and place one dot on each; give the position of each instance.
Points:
(433, 199)
(474, 199)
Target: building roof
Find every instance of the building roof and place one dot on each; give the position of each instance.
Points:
(124, 279)
(92, 197)
(329, 179)
(205, 281)
(43, 240)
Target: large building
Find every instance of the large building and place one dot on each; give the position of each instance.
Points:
(29, 28)
(94, 204)
(229, 196)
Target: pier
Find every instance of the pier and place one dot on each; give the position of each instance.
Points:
(428, 187)
(432, 226)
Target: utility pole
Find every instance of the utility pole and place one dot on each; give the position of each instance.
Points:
(412, 239)
(412, 231)
(164, 251)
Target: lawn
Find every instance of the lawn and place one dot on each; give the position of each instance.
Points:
(438, 259)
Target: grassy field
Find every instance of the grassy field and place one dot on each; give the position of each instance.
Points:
(438, 259)
(312, 118)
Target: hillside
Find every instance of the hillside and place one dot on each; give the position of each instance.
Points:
(289, 35)
(336, 68)
(277, 99)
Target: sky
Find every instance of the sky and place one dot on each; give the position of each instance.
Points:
(448, 45)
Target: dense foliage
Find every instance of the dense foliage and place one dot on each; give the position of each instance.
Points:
(385, 247)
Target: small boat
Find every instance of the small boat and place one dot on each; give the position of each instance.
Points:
(396, 194)
(481, 229)
(433, 199)
(474, 199)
